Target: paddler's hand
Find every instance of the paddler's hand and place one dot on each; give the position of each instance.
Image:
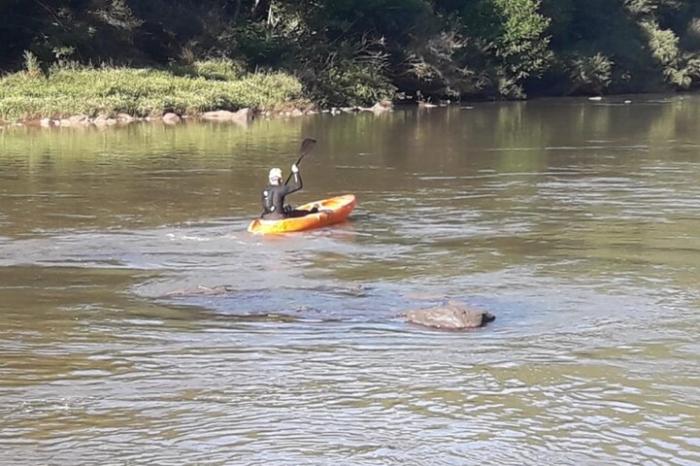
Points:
(295, 169)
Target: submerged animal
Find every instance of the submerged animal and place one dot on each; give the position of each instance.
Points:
(200, 290)
(452, 316)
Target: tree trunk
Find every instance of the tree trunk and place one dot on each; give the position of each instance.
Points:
(261, 8)
(236, 10)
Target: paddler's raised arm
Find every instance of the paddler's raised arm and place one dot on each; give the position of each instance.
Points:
(298, 184)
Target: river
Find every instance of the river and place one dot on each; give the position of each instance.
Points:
(141, 324)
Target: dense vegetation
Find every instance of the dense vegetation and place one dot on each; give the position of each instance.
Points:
(360, 51)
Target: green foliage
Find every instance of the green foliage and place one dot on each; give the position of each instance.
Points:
(352, 81)
(523, 43)
(641, 7)
(590, 74)
(680, 69)
(118, 14)
(222, 69)
(264, 46)
(356, 51)
(32, 65)
(442, 65)
(640, 36)
(512, 43)
(662, 42)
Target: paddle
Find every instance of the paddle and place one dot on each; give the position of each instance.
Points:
(306, 146)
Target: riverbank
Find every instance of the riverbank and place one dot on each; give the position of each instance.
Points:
(79, 96)
(207, 91)
(213, 90)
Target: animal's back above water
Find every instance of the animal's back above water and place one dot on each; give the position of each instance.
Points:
(453, 316)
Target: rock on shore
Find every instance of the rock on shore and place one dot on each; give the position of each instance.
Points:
(379, 107)
(76, 121)
(125, 118)
(171, 118)
(453, 316)
(243, 115)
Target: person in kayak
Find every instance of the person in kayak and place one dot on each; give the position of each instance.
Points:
(275, 193)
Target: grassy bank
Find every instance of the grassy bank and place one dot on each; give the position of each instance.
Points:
(204, 86)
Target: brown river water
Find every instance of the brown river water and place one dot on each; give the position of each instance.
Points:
(141, 324)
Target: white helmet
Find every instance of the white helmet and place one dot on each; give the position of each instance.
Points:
(275, 175)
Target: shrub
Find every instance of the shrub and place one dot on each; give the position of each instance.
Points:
(351, 83)
(590, 74)
(679, 68)
(32, 65)
(223, 69)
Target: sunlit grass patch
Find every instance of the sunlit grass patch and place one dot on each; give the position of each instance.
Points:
(141, 92)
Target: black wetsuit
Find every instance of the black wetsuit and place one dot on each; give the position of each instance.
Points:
(273, 199)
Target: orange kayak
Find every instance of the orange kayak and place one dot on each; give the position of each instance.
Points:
(330, 211)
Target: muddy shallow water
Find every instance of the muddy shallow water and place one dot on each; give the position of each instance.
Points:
(141, 324)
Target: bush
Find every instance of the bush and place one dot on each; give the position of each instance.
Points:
(590, 74)
(512, 42)
(356, 74)
(679, 68)
(32, 65)
(351, 83)
(223, 69)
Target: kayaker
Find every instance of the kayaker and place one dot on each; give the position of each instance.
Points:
(275, 193)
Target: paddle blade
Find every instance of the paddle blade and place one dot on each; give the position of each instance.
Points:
(306, 146)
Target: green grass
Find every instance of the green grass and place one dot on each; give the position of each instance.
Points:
(142, 92)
